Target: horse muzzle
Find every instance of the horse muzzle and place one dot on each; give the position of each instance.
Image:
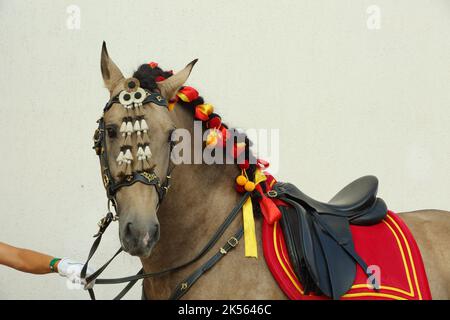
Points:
(138, 239)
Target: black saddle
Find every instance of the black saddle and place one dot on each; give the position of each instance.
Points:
(318, 235)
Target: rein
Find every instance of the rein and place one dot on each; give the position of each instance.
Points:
(150, 178)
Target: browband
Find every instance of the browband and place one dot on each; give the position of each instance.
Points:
(152, 97)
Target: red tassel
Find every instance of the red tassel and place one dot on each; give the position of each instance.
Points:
(269, 210)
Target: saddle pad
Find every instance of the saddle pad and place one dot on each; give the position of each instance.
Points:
(388, 245)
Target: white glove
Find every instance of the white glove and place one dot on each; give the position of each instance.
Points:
(72, 270)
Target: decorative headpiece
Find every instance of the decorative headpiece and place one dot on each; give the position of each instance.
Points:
(131, 98)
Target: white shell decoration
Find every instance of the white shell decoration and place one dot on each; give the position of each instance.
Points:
(126, 99)
(144, 125)
(148, 152)
(121, 158)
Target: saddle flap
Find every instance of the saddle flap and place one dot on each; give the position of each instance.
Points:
(320, 263)
(340, 267)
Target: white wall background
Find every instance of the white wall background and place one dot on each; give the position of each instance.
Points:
(348, 101)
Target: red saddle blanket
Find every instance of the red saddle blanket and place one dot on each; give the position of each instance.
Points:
(389, 246)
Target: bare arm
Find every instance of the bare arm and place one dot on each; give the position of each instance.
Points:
(25, 260)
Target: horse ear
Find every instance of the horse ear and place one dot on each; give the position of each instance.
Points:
(110, 72)
(171, 85)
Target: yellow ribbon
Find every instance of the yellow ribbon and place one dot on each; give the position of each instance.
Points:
(251, 247)
(259, 176)
(171, 105)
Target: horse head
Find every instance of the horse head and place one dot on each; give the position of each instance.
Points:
(134, 144)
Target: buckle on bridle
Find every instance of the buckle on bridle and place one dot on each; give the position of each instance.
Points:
(104, 223)
(233, 242)
(105, 180)
(96, 136)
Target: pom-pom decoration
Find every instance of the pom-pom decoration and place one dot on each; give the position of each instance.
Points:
(214, 121)
(187, 94)
(249, 186)
(202, 111)
(241, 180)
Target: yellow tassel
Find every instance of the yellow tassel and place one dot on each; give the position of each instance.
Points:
(251, 248)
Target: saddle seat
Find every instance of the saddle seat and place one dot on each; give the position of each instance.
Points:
(357, 201)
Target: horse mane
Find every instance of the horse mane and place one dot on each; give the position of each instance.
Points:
(149, 74)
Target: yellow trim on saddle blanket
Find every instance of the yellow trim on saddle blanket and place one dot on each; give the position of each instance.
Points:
(284, 262)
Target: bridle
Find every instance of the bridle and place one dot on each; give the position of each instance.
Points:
(150, 178)
(145, 177)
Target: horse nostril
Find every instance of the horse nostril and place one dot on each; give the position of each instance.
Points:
(128, 231)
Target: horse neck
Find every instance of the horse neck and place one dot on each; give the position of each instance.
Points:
(198, 201)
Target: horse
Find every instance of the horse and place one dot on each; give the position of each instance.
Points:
(164, 233)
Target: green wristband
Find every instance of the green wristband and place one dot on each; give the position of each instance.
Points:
(53, 262)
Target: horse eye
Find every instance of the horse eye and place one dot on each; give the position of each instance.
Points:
(112, 132)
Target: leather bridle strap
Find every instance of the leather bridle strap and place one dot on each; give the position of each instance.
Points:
(185, 285)
(148, 178)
